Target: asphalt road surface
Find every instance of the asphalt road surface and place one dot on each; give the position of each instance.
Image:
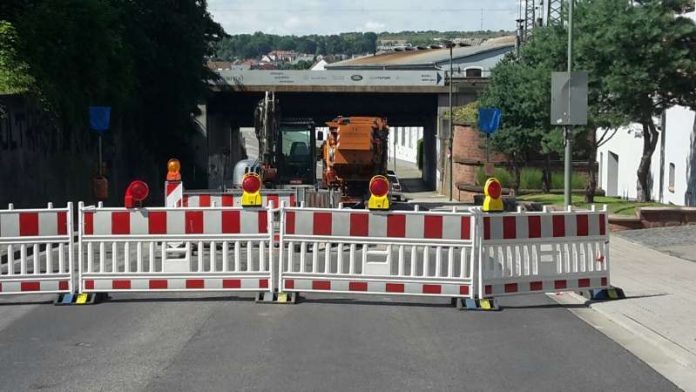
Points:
(208, 342)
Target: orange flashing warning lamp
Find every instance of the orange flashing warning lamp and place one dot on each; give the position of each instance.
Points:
(136, 192)
(379, 193)
(251, 190)
(173, 168)
(493, 192)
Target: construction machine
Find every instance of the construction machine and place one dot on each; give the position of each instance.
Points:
(354, 152)
(286, 146)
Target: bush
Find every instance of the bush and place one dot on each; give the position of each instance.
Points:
(531, 178)
(501, 174)
(419, 154)
(577, 181)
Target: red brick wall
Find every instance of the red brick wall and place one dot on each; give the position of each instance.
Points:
(469, 153)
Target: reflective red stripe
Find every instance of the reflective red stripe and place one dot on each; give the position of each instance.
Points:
(432, 226)
(30, 286)
(509, 227)
(560, 284)
(359, 225)
(194, 222)
(558, 225)
(158, 284)
(536, 286)
(195, 283)
(395, 288)
(322, 223)
(62, 218)
(231, 222)
(583, 283)
(157, 222)
(290, 222)
(357, 286)
(289, 284)
(120, 222)
(321, 285)
(582, 225)
(396, 225)
(28, 224)
(432, 289)
(534, 226)
(121, 284)
(231, 284)
(511, 288)
(466, 228)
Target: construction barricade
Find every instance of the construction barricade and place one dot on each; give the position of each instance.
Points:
(370, 252)
(175, 249)
(232, 198)
(536, 252)
(36, 249)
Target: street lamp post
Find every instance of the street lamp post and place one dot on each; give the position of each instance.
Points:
(568, 130)
(450, 45)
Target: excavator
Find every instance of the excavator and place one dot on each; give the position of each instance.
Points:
(355, 151)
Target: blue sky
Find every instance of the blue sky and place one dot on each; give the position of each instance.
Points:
(301, 17)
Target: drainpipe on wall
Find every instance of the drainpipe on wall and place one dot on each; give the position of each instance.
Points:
(663, 136)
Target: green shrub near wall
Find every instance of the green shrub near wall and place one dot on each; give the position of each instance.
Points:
(530, 178)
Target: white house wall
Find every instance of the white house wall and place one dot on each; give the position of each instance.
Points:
(406, 142)
(679, 150)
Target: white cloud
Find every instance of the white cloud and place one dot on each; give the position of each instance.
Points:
(329, 17)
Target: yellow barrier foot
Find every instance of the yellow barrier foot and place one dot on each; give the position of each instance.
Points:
(276, 298)
(484, 304)
(607, 294)
(80, 299)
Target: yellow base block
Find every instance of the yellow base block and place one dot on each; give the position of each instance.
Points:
(251, 199)
(81, 299)
(282, 298)
(485, 304)
(378, 202)
(492, 205)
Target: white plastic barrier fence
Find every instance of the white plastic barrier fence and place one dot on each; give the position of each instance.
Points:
(175, 249)
(232, 198)
(36, 249)
(359, 251)
(528, 252)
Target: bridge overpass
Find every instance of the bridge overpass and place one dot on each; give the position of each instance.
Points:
(404, 97)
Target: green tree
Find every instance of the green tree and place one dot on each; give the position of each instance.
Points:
(643, 61)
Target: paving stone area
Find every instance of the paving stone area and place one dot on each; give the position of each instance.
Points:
(678, 241)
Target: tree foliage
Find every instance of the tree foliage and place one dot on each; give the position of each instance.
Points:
(143, 58)
(641, 60)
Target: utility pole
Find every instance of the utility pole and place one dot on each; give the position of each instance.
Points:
(451, 124)
(568, 131)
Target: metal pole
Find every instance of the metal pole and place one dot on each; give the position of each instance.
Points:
(568, 131)
(451, 127)
(394, 150)
(101, 164)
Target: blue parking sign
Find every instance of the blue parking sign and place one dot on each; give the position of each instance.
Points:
(489, 120)
(99, 117)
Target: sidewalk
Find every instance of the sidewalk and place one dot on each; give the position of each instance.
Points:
(659, 311)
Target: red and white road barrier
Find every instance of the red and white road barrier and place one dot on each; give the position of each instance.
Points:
(393, 253)
(233, 198)
(531, 252)
(218, 249)
(173, 194)
(36, 248)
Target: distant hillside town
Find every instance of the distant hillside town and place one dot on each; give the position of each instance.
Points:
(268, 52)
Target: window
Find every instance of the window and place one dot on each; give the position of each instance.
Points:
(671, 177)
(473, 72)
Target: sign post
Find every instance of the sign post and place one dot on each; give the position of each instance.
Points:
(99, 117)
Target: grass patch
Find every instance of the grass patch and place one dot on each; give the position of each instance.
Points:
(615, 205)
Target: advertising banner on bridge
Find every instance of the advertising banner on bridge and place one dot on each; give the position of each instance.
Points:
(334, 78)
